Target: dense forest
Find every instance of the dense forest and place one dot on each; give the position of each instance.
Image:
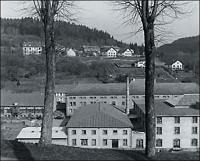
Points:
(15, 31)
(185, 50)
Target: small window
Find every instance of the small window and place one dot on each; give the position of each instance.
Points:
(71, 104)
(73, 142)
(124, 132)
(124, 142)
(74, 103)
(93, 132)
(73, 132)
(83, 132)
(94, 142)
(195, 119)
(159, 120)
(84, 142)
(177, 120)
(123, 103)
(105, 132)
(176, 143)
(194, 130)
(159, 131)
(159, 142)
(115, 132)
(105, 142)
(113, 103)
(139, 143)
(177, 130)
(194, 142)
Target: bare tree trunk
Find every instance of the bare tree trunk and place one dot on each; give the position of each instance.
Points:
(46, 131)
(149, 90)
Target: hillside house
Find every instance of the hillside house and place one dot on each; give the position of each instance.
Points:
(32, 135)
(177, 65)
(140, 64)
(109, 52)
(177, 125)
(91, 50)
(32, 47)
(99, 126)
(71, 53)
(127, 53)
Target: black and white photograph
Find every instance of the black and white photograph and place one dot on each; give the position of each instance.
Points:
(100, 80)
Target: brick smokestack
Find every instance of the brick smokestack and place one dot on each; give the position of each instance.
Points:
(127, 95)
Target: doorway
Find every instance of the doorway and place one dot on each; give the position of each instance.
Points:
(115, 143)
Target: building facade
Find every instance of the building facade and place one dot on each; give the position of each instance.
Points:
(30, 48)
(177, 65)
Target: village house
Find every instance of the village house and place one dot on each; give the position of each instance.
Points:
(71, 53)
(177, 123)
(127, 53)
(71, 97)
(109, 52)
(32, 135)
(177, 65)
(99, 126)
(32, 47)
(91, 50)
(140, 64)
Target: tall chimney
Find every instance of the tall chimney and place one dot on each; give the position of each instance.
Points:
(127, 95)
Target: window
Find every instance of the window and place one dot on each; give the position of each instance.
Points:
(93, 132)
(123, 103)
(194, 130)
(176, 130)
(71, 104)
(83, 132)
(159, 142)
(194, 119)
(113, 103)
(114, 131)
(194, 142)
(159, 120)
(73, 142)
(74, 103)
(139, 143)
(105, 132)
(177, 120)
(70, 110)
(159, 130)
(84, 142)
(105, 142)
(94, 142)
(73, 132)
(176, 143)
(124, 132)
(124, 142)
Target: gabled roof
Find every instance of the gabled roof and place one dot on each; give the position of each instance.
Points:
(35, 132)
(99, 115)
(184, 100)
(163, 109)
(22, 99)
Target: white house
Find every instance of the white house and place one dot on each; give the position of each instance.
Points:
(71, 53)
(177, 65)
(30, 48)
(32, 135)
(140, 64)
(110, 53)
(177, 123)
(99, 126)
(127, 53)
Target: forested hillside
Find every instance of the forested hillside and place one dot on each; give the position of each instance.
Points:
(185, 50)
(15, 31)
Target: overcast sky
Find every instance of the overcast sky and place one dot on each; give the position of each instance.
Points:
(101, 15)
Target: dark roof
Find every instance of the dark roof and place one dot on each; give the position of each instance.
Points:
(99, 115)
(136, 88)
(22, 99)
(163, 109)
(184, 100)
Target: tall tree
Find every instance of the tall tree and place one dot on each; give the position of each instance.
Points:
(48, 11)
(148, 13)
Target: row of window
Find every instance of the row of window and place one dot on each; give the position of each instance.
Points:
(176, 143)
(177, 130)
(104, 132)
(93, 102)
(177, 120)
(84, 142)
